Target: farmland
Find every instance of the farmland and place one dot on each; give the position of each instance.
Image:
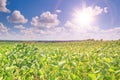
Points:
(85, 60)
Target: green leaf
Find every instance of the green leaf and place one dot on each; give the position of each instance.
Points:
(92, 76)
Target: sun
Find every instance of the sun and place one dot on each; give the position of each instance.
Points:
(83, 17)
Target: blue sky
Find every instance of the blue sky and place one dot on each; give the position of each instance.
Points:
(59, 19)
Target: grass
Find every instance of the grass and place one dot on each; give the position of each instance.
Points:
(86, 60)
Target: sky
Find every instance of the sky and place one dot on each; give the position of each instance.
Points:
(59, 19)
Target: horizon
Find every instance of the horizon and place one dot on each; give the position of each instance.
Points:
(54, 20)
(56, 40)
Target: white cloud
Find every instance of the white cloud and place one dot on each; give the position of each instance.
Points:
(19, 27)
(72, 27)
(17, 17)
(46, 27)
(3, 8)
(69, 25)
(61, 33)
(3, 29)
(46, 20)
(58, 11)
(112, 30)
(97, 10)
(105, 9)
(28, 31)
(70, 31)
(109, 34)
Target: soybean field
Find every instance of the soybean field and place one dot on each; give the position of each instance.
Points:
(84, 60)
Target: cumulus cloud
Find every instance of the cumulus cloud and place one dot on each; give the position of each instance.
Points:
(106, 9)
(3, 29)
(109, 34)
(3, 8)
(19, 27)
(93, 11)
(33, 33)
(112, 30)
(58, 11)
(28, 31)
(17, 17)
(46, 20)
(97, 10)
(74, 28)
(69, 25)
(46, 27)
(61, 33)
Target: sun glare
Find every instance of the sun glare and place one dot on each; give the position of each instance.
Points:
(83, 17)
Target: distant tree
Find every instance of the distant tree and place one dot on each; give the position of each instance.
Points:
(101, 39)
(90, 40)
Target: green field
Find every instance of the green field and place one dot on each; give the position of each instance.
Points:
(85, 60)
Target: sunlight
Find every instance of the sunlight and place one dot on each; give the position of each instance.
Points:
(83, 17)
